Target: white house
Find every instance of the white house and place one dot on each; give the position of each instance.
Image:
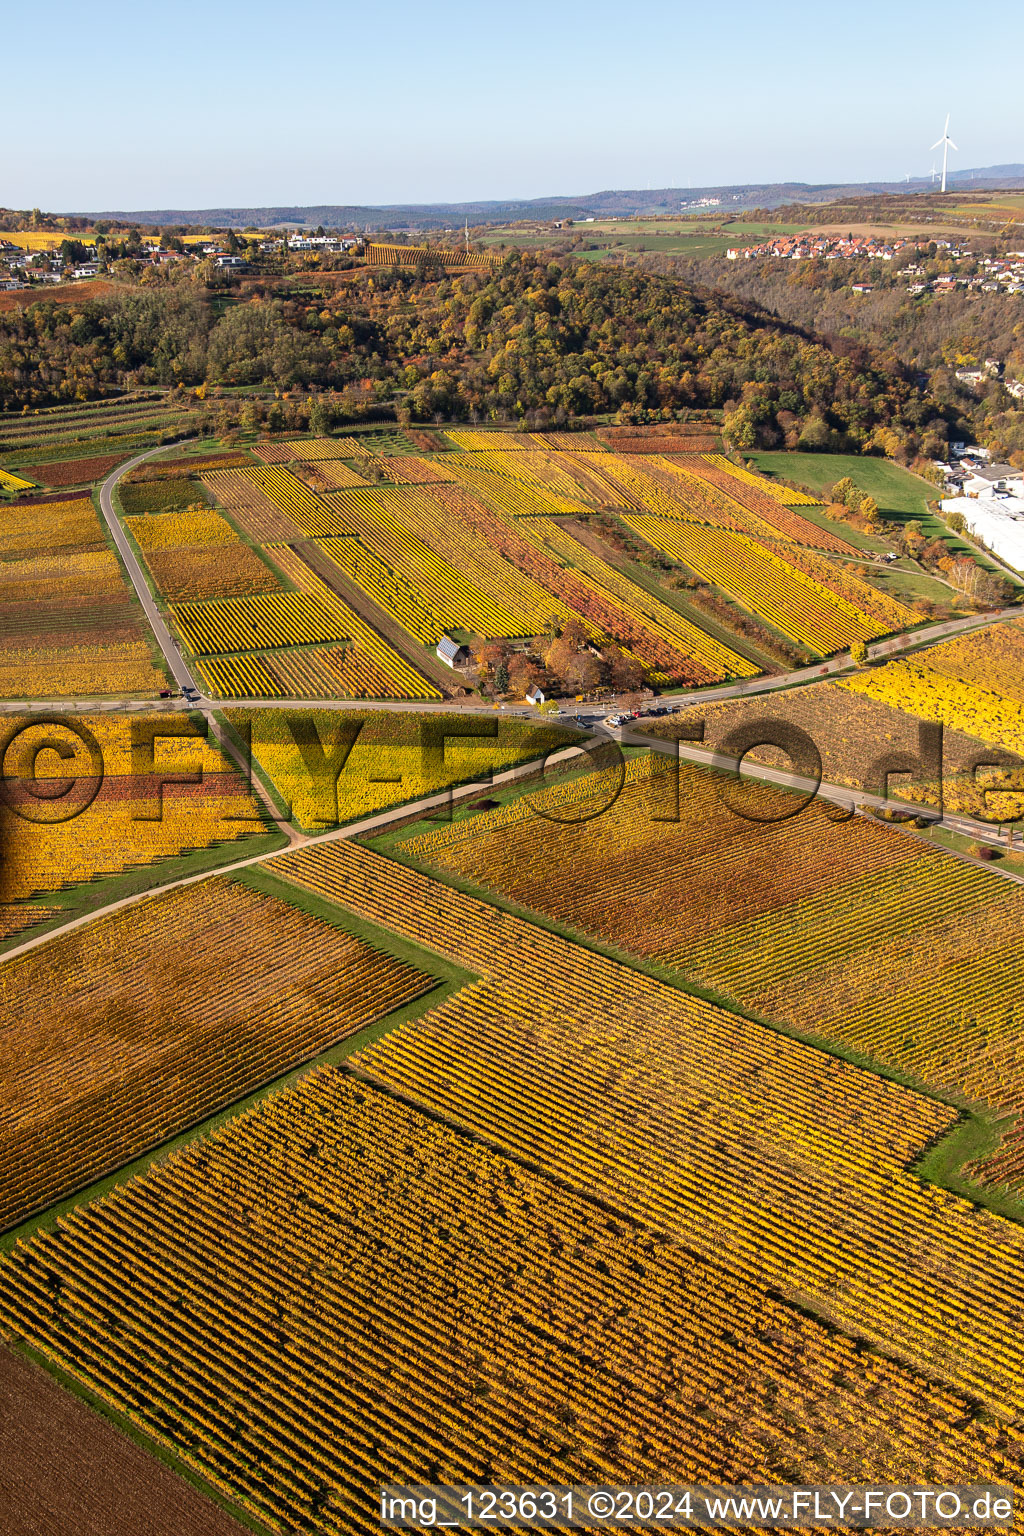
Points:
(451, 652)
(988, 480)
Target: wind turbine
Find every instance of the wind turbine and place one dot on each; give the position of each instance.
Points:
(934, 173)
(947, 144)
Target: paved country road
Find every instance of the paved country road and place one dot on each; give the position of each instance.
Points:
(172, 655)
(179, 671)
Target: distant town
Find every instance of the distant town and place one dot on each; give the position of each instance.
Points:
(74, 260)
(985, 274)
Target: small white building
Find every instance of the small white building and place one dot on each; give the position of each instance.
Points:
(451, 652)
(535, 695)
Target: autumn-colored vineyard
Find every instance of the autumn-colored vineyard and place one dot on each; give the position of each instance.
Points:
(122, 819)
(70, 626)
(391, 759)
(767, 584)
(697, 1122)
(466, 540)
(854, 732)
(844, 931)
(975, 684)
(236, 991)
(665, 437)
(9, 481)
(992, 657)
(175, 530)
(76, 471)
(646, 1188)
(310, 449)
(783, 493)
(412, 255)
(256, 1323)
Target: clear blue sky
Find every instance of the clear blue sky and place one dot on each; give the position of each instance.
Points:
(204, 103)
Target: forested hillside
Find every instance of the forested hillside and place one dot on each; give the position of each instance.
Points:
(533, 338)
(932, 335)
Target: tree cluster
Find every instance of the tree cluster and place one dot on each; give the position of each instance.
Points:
(563, 662)
(845, 495)
(533, 340)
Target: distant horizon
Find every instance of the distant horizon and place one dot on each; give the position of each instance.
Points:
(1006, 166)
(1009, 170)
(209, 108)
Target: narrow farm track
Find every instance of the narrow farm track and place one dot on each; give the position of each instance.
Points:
(172, 654)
